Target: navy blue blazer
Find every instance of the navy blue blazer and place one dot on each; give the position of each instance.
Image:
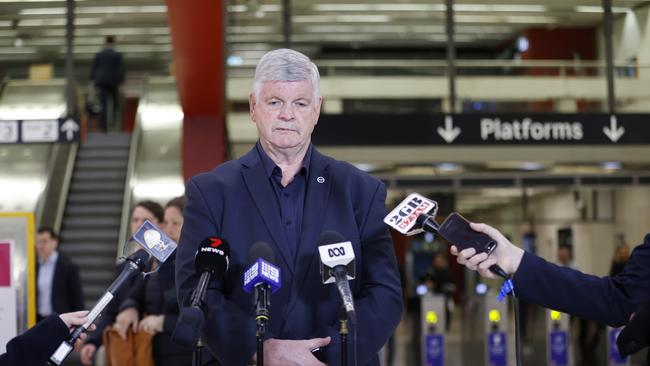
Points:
(67, 293)
(609, 300)
(36, 345)
(235, 201)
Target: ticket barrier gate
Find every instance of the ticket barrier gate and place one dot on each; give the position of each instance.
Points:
(558, 339)
(433, 319)
(486, 333)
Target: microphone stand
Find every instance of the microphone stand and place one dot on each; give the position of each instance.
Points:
(262, 304)
(344, 331)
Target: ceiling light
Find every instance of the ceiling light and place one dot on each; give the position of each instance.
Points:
(358, 18)
(599, 9)
(531, 165)
(500, 7)
(612, 165)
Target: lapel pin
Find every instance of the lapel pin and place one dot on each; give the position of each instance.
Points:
(320, 180)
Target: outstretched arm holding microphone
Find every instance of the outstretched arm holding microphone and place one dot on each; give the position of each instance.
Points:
(35, 346)
(609, 300)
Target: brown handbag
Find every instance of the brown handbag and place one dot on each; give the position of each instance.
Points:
(134, 351)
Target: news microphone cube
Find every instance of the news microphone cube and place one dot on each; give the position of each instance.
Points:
(262, 271)
(337, 254)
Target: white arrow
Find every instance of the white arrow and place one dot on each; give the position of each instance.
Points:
(613, 131)
(69, 127)
(449, 133)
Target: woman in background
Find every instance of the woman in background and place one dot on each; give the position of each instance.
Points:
(155, 299)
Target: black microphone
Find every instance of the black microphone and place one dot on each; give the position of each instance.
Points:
(636, 334)
(134, 265)
(337, 266)
(211, 260)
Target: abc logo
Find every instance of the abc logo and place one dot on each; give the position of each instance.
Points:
(336, 252)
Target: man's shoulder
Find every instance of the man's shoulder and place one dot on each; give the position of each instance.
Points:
(222, 173)
(344, 169)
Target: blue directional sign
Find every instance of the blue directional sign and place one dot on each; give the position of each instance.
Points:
(64, 130)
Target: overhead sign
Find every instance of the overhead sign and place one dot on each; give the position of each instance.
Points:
(483, 129)
(64, 130)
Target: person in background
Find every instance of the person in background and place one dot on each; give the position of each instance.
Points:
(155, 301)
(620, 258)
(57, 278)
(143, 210)
(107, 73)
(36, 345)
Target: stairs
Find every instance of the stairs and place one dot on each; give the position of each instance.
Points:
(91, 222)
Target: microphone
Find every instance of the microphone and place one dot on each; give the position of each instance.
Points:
(337, 266)
(416, 214)
(262, 276)
(211, 260)
(134, 265)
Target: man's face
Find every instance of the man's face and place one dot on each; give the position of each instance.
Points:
(285, 113)
(45, 245)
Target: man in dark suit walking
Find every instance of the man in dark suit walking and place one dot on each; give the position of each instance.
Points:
(286, 193)
(108, 73)
(57, 279)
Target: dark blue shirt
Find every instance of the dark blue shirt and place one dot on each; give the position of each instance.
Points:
(291, 199)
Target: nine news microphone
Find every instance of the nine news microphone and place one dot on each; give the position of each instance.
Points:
(134, 265)
(416, 214)
(262, 276)
(337, 266)
(211, 260)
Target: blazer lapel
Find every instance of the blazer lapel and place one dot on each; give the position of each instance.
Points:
(258, 185)
(316, 198)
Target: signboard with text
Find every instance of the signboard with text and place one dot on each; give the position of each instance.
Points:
(8, 323)
(483, 129)
(64, 130)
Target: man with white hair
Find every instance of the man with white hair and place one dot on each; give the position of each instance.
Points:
(284, 192)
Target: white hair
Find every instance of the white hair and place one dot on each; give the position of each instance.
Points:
(286, 65)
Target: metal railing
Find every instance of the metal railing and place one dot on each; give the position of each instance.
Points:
(559, 68)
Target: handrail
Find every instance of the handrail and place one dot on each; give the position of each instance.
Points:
(51, 166)
(65, 186)
(126, 200)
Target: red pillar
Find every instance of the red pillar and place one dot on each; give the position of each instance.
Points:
(197, 33)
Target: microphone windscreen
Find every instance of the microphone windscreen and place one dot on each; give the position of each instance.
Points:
(188, 327)
(329, 237)
(212, 256)
(261, 249)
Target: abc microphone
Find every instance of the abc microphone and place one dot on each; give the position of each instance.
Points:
(337, 266)
(211, 260)
(134, 265)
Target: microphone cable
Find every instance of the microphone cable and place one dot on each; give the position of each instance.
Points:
(509, 288)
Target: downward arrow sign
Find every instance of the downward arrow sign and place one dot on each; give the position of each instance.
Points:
(449, 133)
(613, 131)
